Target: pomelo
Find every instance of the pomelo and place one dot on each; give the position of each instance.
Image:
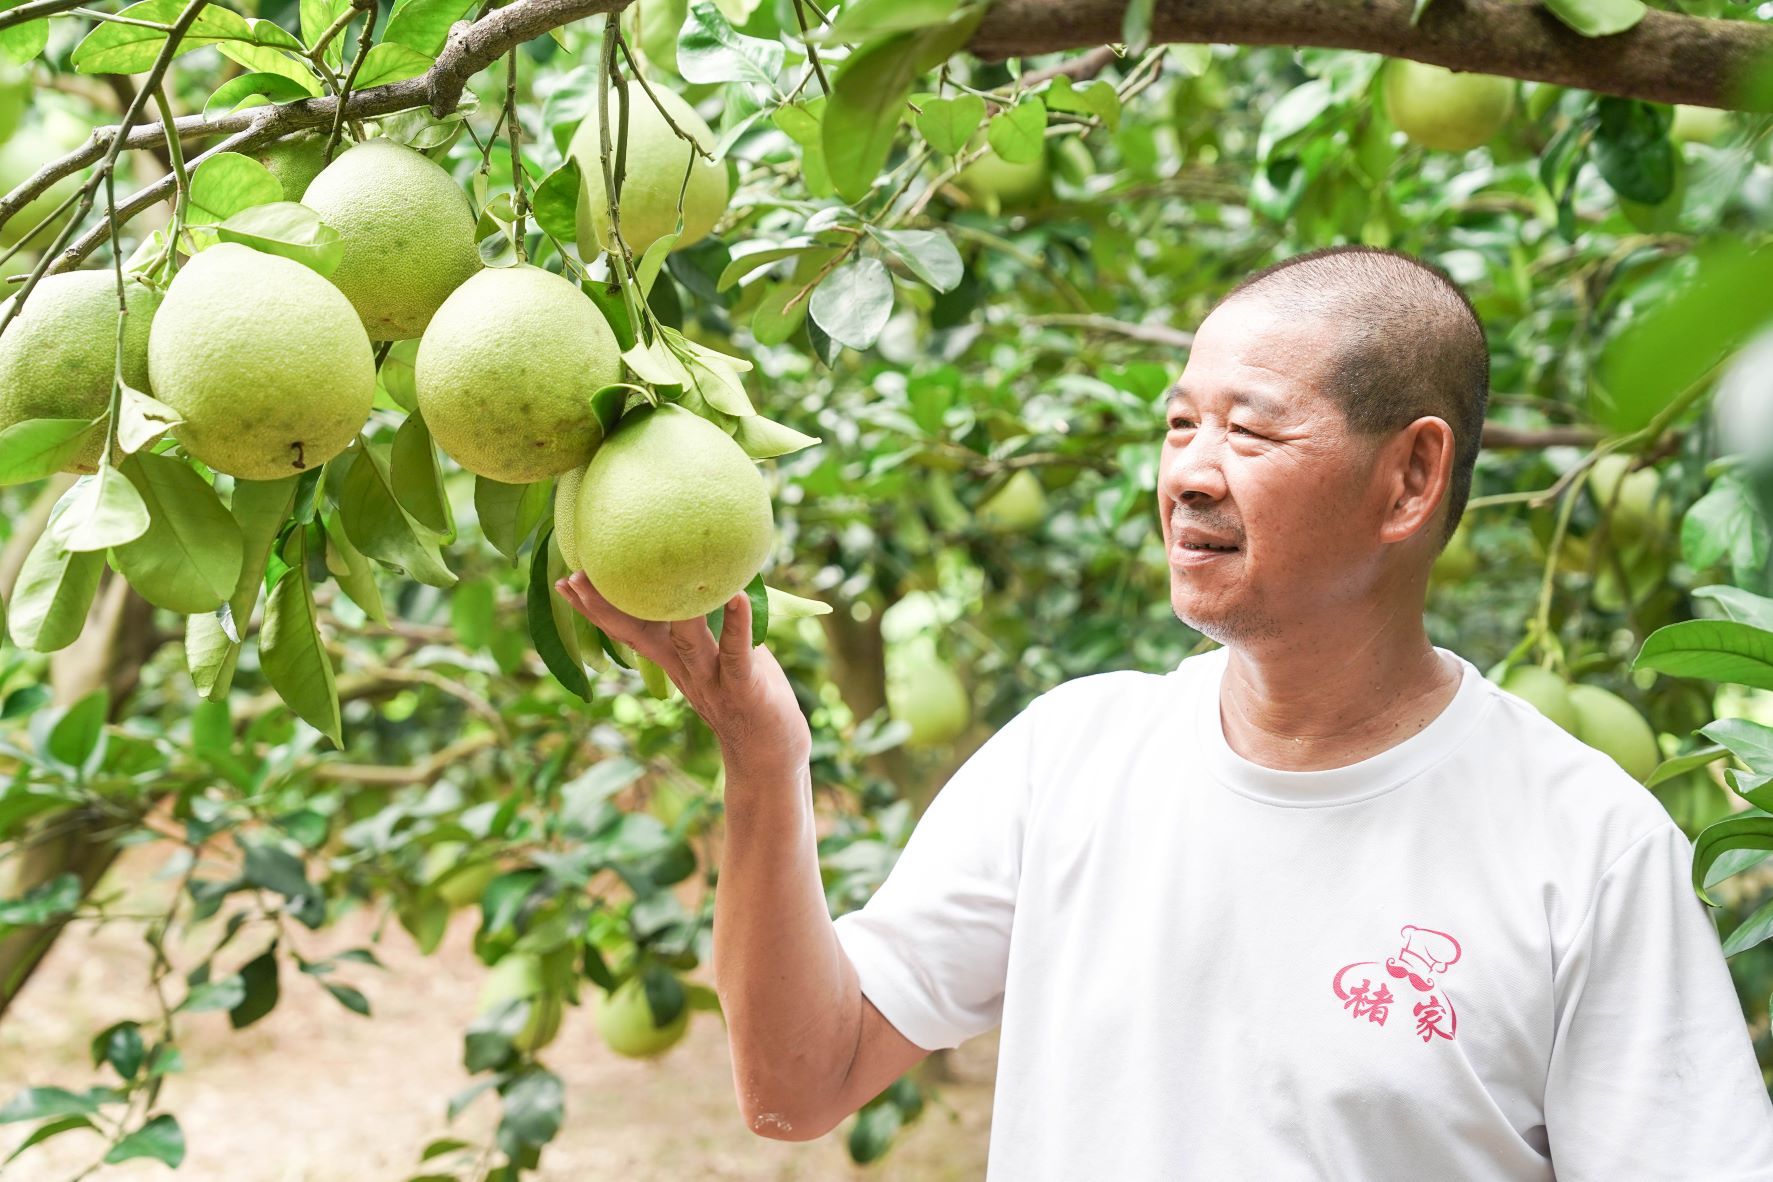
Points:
(674, 518)
(1698, 125)
(57, 358)
(458, 881)
(297, 160)
(1457, 561)
(996, 185)
(566, 515)
(408, 233)
(652, 176)
(1440, 108)
(1638, 512)
(1609, 723)
(15, 97)
(924, 691)
(625, 1020)
(520, 975)
(29, 149)
(266, 361)
(1545, 691)
(1018, 505)
(506, 370)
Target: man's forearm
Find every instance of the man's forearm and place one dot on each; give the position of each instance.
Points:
(792, 1008)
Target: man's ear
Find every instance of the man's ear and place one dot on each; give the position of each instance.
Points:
(1419, 463)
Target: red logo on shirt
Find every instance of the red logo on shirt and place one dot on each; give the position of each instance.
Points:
(1426, 954)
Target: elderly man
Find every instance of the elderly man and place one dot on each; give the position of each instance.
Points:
(1320, 903)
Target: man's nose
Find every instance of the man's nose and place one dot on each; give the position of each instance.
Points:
(1193, 472)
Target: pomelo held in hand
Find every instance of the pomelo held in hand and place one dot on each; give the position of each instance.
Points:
(408, 234)
(652, 176)
(506, 370)
(673, 517)
(1609, 723)
(58, 356)
(625, 1020)
(1439, 108)
(265, 360)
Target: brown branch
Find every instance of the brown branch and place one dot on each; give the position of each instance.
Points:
(30, 12)
(1497, 436)
(419, 773)
(1086, 65)
(1666, 58)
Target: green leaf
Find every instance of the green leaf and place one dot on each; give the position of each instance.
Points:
(120, 1045)
(1751, 931)
(1725, 522)
(862, 118)
(290, 650)
(1135, 25)
(1598, 18)
(1715, 650)
(161, 1139)
(389, 62)
(316, 17)
(854, 302)
(189, 559)
(872, 18)
(396, 375)
(35, 1103)
(261, 85)
(35, 448)
(381, 528)
(348, 997)
(784, 606)
(545, 565)
(1742, 831)
(423, 25)
(1672, 344)
(949, 123)
(1019, 135)
(709, 49)
(53, 1128)
(209, 996)
(259, 509)
(928, 254)
(760, 254)
(115, 48)
(289, 229)
(417, 479)
(142, 420)
(77, 735)
(259, 975)
(1680, 765)
(1632, 151)
(227, 183)
(534, 1107)
(1095, 98)
(46, 902)
(1738, 604)
(556, 199)
(104, 510)
(355, 574)
(774, 322)
(22, 43)
(764, 439)
(54, 589)
(508, 512)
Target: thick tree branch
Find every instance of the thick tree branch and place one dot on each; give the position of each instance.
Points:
(1666, 58)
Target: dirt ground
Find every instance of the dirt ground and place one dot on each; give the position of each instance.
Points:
(315, 1093)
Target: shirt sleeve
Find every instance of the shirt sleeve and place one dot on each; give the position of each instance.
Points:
(931, 946)
(1653, 1073)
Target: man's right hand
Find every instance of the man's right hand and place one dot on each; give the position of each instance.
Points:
(740, 691)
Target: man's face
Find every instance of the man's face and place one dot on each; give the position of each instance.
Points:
(1256, 458)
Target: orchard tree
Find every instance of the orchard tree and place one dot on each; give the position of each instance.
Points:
(339, 330)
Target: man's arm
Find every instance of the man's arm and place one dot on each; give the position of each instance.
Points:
(808, 1049)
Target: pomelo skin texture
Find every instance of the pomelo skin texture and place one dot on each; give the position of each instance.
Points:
(266, 361)
(1438, 108)
(408, 232)
(652, 175)
(1609, 723)
(625, 1021)
(506, 370)
(296, 161)
(58, 356)
(674, 518)
(1545, 691)
(566, 515)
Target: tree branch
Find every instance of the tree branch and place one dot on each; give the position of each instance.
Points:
(1665, 58)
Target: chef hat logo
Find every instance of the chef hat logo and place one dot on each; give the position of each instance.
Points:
(1425, 951)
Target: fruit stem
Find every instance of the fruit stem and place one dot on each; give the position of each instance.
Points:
(338, 118)
(514, 135)
(175, 153)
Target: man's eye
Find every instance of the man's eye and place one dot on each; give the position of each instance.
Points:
(1245, 430)
(1180, 424)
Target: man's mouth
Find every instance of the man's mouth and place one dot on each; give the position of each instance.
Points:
(1205, 546)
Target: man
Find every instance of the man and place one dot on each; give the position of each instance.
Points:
(1322, 903)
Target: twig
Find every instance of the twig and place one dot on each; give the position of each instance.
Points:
(25, 13)
(812, 53)
(338, 119)
(514, 136)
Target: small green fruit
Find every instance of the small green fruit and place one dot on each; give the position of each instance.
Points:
(625, 1020)
(998, 186)
(1609, 723)
(519, 975)
(1016, 507)
(1545, 691)
(924, 691)
(1439, 108)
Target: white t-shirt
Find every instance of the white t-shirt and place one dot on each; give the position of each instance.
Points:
(1476, 955)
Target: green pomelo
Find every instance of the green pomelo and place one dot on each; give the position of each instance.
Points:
(29, 149)
(506, 370)
(458, 882)
(1631, 496)
(15, 96)
(296, 161)
(625, 1020)
(1698, 125)
(674, 518)
(519, 975)
(1438, 108)
(408, 233)
(996, 185)
(566, 515)
(1609, 723)
(266, 361)
(1019, 505)
(652, 176)
(1457, 561)
(1545, 691)
(925, 692)
(58, 357)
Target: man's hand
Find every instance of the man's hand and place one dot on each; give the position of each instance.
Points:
(740, 692)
